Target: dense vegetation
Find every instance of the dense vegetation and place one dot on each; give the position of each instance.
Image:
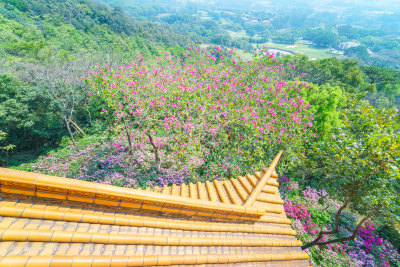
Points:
(208, 114)
(45, 47)
(89, 93)
(310, 209)
(366, 32)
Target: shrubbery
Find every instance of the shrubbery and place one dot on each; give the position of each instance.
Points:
(208, 106)
(209, 115)
(368, 249)
(103, 160)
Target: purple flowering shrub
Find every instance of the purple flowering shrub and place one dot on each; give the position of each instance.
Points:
(310, 209)
(369, 249)
(152, 178)
(296, 211)
(109, 162)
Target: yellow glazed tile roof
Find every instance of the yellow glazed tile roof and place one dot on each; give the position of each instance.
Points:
(54, 221)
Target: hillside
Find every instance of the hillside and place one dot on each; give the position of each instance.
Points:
(36, 28)
(46, 46)
(209, 116)
(172, 95)
(366, 32)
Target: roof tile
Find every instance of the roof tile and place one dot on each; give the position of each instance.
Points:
(101, 225)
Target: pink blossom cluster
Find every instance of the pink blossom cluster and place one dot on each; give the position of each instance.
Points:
(236, 102)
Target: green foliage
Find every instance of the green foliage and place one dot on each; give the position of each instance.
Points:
(71, 27)
(323, 38)
(327, 102)
(48, 45)
(284, 38)
(386, 80)
(25, 115)
(358, 52)
(324, 258)
(331, 70)
(348, 31)
(320, 218)
(5, 147)
(361, 160)
(371, 88)
(99, 35)
(390, 230)
(383, 86)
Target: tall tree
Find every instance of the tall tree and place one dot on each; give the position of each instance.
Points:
(360, 166)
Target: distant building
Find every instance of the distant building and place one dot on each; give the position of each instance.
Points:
(347, 45)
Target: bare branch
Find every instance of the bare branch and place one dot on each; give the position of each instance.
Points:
(336, 230)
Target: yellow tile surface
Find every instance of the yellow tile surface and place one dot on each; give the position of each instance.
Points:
(101, 225)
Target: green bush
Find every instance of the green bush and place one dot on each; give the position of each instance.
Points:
(321, 218)
(390, 232)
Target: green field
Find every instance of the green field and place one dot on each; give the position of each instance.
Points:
(241, 34)
(303, 47)
(300, 47)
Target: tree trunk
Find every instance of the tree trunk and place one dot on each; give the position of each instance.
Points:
(69, 131)
(336, 230)
(156, 153)
(129, 140)
(90, 116)
(76, 127)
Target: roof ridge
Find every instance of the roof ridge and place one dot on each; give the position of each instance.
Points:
(263, 181)
(219, 190)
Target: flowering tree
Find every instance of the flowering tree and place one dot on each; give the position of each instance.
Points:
(205, 101)
(310, 208)
(361, 167)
